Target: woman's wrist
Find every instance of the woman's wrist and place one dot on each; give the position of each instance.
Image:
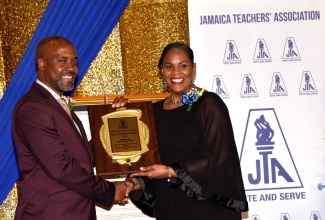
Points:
(132, 181)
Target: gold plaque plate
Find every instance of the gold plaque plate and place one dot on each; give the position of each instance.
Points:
(124, 136)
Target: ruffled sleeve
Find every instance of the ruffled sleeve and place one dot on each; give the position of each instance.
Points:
(215, 173)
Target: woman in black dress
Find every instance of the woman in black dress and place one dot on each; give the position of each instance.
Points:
(200, 175)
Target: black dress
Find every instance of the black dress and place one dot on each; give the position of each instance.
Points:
(199, 145)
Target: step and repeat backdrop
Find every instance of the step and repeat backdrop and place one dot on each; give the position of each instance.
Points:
(266, 60)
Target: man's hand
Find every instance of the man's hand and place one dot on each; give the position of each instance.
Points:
(120, 192)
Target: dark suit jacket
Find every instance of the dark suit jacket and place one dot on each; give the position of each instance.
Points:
(55, 162)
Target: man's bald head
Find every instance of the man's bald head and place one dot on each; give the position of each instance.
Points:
(45, 45)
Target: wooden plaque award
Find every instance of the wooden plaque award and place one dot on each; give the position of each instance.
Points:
(124, 139)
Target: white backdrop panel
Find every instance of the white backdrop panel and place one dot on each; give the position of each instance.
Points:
(266, 60)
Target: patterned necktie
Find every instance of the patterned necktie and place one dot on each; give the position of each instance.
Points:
(65, 106)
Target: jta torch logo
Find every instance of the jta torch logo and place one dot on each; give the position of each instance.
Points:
(266, 160)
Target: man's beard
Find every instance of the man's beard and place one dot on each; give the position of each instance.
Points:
(64, 88)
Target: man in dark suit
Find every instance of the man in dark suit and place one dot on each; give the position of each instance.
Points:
(54, 157)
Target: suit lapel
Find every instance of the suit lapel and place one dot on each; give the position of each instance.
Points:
(56, 106)
(80, 125)
(82, 132)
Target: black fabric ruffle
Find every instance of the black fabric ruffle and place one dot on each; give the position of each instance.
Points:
(192, 189)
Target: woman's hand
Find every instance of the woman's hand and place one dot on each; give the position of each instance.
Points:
(157, 171)
(133, 183)
(120, 102)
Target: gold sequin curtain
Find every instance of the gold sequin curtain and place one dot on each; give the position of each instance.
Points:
(18, 21)
(2, 71)
(126, 64)
(146, 28)
(105, 75)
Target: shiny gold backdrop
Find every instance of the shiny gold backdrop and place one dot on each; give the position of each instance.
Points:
(146, 27)
(126, 64)
(18, 22)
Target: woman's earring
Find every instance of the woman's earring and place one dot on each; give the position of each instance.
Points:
(193, 85)
(164, 86)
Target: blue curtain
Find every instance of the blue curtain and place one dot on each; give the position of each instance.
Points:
(87, 24)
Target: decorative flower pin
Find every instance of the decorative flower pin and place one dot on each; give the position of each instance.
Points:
(192, 96)
(70, 102)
